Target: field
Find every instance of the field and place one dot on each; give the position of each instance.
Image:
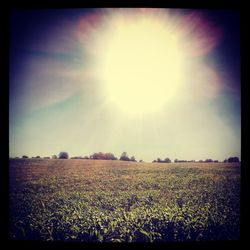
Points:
(116, 201)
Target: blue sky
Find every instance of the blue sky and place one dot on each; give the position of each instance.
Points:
(57, 102)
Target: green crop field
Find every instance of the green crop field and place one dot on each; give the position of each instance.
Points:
(117, 201)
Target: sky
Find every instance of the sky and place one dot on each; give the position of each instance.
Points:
(150, 82)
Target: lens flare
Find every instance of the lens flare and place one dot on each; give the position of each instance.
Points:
(141, 66)
(142, 58)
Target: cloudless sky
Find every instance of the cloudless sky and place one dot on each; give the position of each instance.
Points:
(56, 104)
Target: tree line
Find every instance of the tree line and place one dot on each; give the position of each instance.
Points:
(125, 157)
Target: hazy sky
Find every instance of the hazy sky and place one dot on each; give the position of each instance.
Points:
(153, 83)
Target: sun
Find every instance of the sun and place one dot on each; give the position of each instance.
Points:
(140, 63)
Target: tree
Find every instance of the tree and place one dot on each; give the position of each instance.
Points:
(102, 156)
(233, 159)
(132, 158)
(208, 160)
(98, 156)
(124, 157)
(109, 156)
(167, 160)
(25, 157)
(53, 157)
(63, 155)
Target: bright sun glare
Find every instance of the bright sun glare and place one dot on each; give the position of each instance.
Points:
(140, 63)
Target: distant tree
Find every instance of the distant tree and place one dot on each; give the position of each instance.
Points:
(208, 160)
(225, 160)
(46, 157)
(98, 156)
(176, 160)
(63, 155)
(233, 159)
(38, 157)
(124, 157)
(216, 161)
(132, 158)
(25, 157)
(109, 156)
(167, 160)
(159, 160)
(53, 157)
(86, 157)
(141, 161)
(102, 156)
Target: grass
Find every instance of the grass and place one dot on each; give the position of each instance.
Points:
(115, 201)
